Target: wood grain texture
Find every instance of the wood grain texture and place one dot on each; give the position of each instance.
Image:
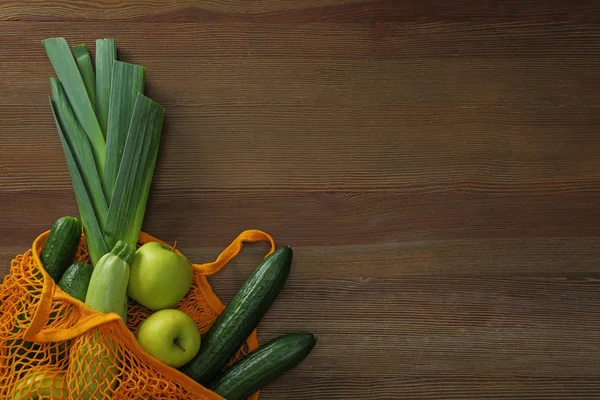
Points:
(434, 164)
(295, 11)
(366, 42)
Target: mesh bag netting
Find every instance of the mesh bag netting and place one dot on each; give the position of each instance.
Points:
(56, 347)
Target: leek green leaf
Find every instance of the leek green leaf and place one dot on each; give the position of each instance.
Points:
(127, 82)
(62, 60)
(106, 54)
(128, 204)
(93, 234)
(81, 149)
(86, 69)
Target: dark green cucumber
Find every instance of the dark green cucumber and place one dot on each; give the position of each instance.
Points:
(264, 365)
(76, 279)
(240, 317)
(61, 246)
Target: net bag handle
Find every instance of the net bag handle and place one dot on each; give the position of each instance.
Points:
(247, 236)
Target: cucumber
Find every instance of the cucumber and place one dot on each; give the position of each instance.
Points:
(240, 317)
(61, 246)
(264, 365)
(76, 279)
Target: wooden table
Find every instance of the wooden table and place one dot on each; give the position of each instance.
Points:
(434, 164)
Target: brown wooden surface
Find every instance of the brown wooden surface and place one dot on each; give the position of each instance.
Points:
(435, 165)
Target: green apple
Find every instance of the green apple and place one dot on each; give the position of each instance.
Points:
(171, 336)
(41, 384)
(159, 277)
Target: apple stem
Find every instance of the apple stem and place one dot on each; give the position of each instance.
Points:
(175, 246)
(176, 341)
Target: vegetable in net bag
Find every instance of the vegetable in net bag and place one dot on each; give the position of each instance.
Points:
(55, 346)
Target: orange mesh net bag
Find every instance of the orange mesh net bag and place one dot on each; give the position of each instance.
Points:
(56, 347)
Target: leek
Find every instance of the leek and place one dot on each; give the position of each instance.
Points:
(62, 60)
(110, 148)
(84, 63)
(128, 204)
(106, 54)
(82, 152)
(93, 234)
(127, 82)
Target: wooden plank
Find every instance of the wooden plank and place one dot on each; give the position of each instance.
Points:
(292, 11)
(498, 84)
(386, 221)
(359, 219)
(400, 41)
(413, 149)
(300, 385)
